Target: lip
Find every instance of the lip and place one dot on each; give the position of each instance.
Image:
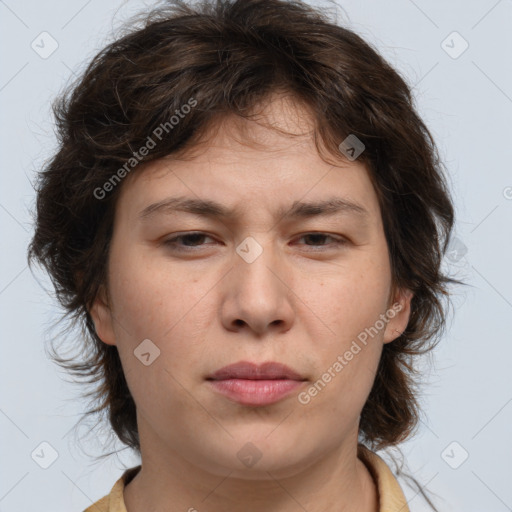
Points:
(248, 370)
(251, 384)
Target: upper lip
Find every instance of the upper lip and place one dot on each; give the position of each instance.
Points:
(252, 371)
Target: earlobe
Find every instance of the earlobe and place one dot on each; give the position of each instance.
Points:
(102, 318)
(398, 315)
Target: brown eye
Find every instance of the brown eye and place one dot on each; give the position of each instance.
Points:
(190, 241)
(318, 238)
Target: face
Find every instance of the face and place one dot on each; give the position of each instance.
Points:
(191, 291)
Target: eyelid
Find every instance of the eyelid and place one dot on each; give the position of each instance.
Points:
(176, 236)
(339, 240)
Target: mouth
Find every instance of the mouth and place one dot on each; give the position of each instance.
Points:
(255, 385)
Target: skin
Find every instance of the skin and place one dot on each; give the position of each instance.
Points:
(302, 302)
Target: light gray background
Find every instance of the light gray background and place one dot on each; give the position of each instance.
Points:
(467, 103)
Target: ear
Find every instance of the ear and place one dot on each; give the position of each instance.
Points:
(398, 314)
(102, 318)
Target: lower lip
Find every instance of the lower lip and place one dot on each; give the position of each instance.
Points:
(256, 392)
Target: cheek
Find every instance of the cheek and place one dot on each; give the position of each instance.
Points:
(161, 306)
(348, 357)
(160, 302)
(149, 297)
(350, 304)
(349, 299)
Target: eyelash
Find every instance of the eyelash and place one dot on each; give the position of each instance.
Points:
(171, 242)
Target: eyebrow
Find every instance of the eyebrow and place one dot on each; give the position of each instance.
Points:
(212, 209)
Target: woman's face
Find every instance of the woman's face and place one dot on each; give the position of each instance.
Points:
(310, 290)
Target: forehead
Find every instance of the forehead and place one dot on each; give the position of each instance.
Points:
(268, 161)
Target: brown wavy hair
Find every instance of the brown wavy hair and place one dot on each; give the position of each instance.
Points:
(231, 56)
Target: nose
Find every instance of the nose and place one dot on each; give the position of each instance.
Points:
(257, 294)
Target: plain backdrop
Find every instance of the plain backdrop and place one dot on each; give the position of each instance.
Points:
(456, 56)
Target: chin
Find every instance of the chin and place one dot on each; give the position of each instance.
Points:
(253, 457)
(274, 465)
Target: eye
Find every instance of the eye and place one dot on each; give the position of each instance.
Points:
(193, 237)
(192, 240)
(318, 237)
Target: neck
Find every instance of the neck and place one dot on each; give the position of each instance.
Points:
(338, 481)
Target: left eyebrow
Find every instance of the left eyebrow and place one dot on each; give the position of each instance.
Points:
(298, 209)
